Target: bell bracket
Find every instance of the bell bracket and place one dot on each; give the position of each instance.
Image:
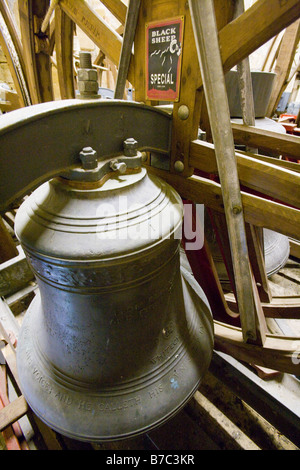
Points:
(45, 140)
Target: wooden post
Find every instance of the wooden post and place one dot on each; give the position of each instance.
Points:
(128, 37)
(206, 36)
(248, 112)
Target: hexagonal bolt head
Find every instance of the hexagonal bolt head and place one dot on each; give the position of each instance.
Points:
(87, 75)
(88, 157)
(88, 87)
(130, 147)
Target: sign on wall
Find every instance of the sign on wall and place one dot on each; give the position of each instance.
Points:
(163, 59)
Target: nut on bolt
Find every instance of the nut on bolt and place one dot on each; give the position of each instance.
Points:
(88, 157)
(130, 147)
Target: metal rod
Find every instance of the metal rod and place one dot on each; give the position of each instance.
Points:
(206, 37)
(128, 38)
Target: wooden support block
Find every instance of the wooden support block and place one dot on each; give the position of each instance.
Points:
(12, 412)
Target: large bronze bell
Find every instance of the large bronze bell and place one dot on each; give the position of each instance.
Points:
(119, 336)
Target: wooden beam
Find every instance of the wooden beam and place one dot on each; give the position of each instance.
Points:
(117, 8)
(126, 51)
(266, 178)
(64, 32)
(218, 425)
(36, 50)
(279, 352)
(284, 64)
(103, 35)
(263, 20)
(205, 32)
(14, 65)
(18, 71)
(12, 412)
(288, 165)
(257, 210)
(283, 144)
(279, 307)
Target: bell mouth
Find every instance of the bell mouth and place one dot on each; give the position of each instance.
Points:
(121, 411)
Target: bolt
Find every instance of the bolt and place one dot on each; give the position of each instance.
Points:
(121, 167)
(250, 335)
(183, 112)
(85, 60)
(88, 157)
(178, 166)
(87, 77)
(130, 146)
(236, 209)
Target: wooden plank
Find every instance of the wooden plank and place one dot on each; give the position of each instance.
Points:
(217, 425)
(295, 248)
(209, 57)
(14, 48)
(36, 50)
(64, 33)
(263, 20)
(279, 307)
(284, 64)
(16, 72)
(99, 31)
(274, 161)
(126, 51)
(266, 178)
(117, 8)
(257, 260)
(12, 412)
(283, 144)
(278, 352)
(257, 210)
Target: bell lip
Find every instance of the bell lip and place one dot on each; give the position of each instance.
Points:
(117, 437)
(186, 395)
